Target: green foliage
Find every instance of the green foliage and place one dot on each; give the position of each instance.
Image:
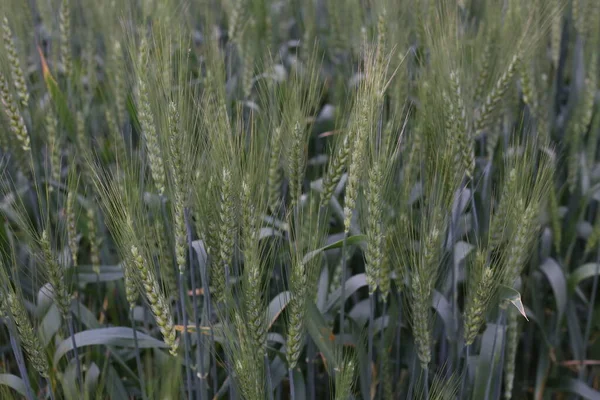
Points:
(257, 199)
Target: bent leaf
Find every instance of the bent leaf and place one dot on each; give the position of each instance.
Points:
(582, 273)
(277, 305)
(512, 295)
(14, 382)
(117, 336)
(336, 245)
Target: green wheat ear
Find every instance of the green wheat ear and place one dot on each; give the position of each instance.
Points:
(16, 72)
(27, 335)
(156, 299)
(16, 122)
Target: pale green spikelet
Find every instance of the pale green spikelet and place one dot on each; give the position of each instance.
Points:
(248, 69)
(235, 11)
(226, 236)
(295, 328)
(512, 343)
(484, 73)
(117, 140)
(179, 183)
(55, 276)
(247, 364)
(357, 162)
(275, 175)
(296, 164)
(148, 126)
(381, 38)
(422, 280)
(461, 133)
(587, 106)
(120, 89)
(16, 122)
(527, 88)
(55, 146)
(518, 251)
(156, 299)
(72, 227)
(64, 27)
(92, 225)
(344, 378)
(27, 335)
(336, 170)
(556, 31)
(503, 213)
(16, 72)
(479, 291)
(252, 272)
(420, 289)
(375, 239)
(492, 101)
(82, 137)
(131, 292)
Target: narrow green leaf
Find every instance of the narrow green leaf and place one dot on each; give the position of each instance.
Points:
(277, 305)
(50, 325)
(443, 308)
(321, 334)
(558, 282)
(336, 245)
(461, 251)
(575, 386)
(582, 273)
(117, 336)
(114, 385)
(14, 382)
(353, 284)
(91, 379)
(488, 362)
(323, 288)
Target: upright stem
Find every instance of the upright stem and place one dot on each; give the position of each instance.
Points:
(200, 383)
(370, 338)
(343, 288)
(76, 353)
(269, 382)
(382, 349)
(426, 383)
(186, 337)
(413, 369)
(498, 323)
(310, 368)
(292, 388)
(465, 371)
(138, 359)
(498, 385)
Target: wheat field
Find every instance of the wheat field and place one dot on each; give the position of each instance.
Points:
(289, 199)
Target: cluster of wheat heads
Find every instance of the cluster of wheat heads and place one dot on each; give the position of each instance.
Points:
(261, 199)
